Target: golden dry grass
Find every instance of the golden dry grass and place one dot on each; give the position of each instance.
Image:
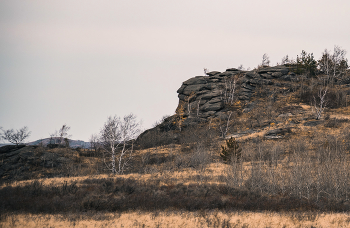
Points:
(185, 176)
(212, 173)
(180, 219)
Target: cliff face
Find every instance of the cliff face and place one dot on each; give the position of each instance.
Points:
(206, 96)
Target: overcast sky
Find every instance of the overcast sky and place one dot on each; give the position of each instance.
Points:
(77, 62)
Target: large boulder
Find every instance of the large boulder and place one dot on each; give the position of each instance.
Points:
(282, 69)
(195, 80)
(194, 88)
(211, 94)
(205, 93)
(212, 106)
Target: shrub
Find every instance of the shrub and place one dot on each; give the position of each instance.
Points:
(231, 152)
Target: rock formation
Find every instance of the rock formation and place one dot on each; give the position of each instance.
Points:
(206, 96)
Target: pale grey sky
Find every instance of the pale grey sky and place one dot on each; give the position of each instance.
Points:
(77, 62)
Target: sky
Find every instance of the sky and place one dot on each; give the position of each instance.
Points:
(76, 62)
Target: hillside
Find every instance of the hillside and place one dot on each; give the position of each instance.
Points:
(72, 143)
(291, 160)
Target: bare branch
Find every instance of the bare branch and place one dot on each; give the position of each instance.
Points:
(16, 137)
(117, 138)
(322, 104)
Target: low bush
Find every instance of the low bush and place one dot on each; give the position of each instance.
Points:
(128, 194)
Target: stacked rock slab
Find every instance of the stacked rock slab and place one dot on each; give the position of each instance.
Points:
(203, 96)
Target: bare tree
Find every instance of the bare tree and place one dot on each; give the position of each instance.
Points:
(285, 60)
(94, 142)
(117, 137)
(206, 71)
(339, 61)
(224, 124)
(228, 91)
(189, 98)
(60, 137)
(53, 138)
(325, 63)
(240, 67)
(63, 134)
(322, 104)
(265, 60)
(198, 103)
(16, 137)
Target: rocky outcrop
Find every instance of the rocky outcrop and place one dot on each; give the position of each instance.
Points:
(202, 97)
(205, 96)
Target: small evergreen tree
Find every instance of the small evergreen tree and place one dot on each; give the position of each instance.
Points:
(306, 64)
(231, 151)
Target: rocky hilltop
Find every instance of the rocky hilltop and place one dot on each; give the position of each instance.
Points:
(205, 96)
(235, 102)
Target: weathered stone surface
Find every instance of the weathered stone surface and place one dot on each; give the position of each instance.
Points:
(207, 114)
(276, 74)
(268, 76)
(243, 97)
(194, 88)
(210, 95)
(199, 93)
(182, 97)
(246, 90)
(226, 73)
(192, 121)
(208, 91)
(287, 77)
(181, 89)
(218, 85)
(212, 106)
(252, 74)
(247, 86)
(215, 100)
(232, 69)
(282, 69)
(212, 73)
(196, 80)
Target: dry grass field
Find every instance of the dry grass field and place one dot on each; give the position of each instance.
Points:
(180, 219)
(298, 176)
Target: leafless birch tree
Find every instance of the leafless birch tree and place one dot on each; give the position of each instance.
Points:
(325, 63)
(224, 124)
(117, 137)
(94, 142)
(338, 57)
(228, 91)
(319, 108)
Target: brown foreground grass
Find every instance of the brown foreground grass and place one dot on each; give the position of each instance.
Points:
(300, 181)
(213, 218)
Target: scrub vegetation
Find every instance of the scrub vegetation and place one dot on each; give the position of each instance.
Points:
(283, 161)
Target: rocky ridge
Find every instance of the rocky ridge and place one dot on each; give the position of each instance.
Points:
(206, 96)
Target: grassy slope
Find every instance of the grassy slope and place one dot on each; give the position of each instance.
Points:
(183, 184)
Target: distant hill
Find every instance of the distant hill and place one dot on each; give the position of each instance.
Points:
(72, 143)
